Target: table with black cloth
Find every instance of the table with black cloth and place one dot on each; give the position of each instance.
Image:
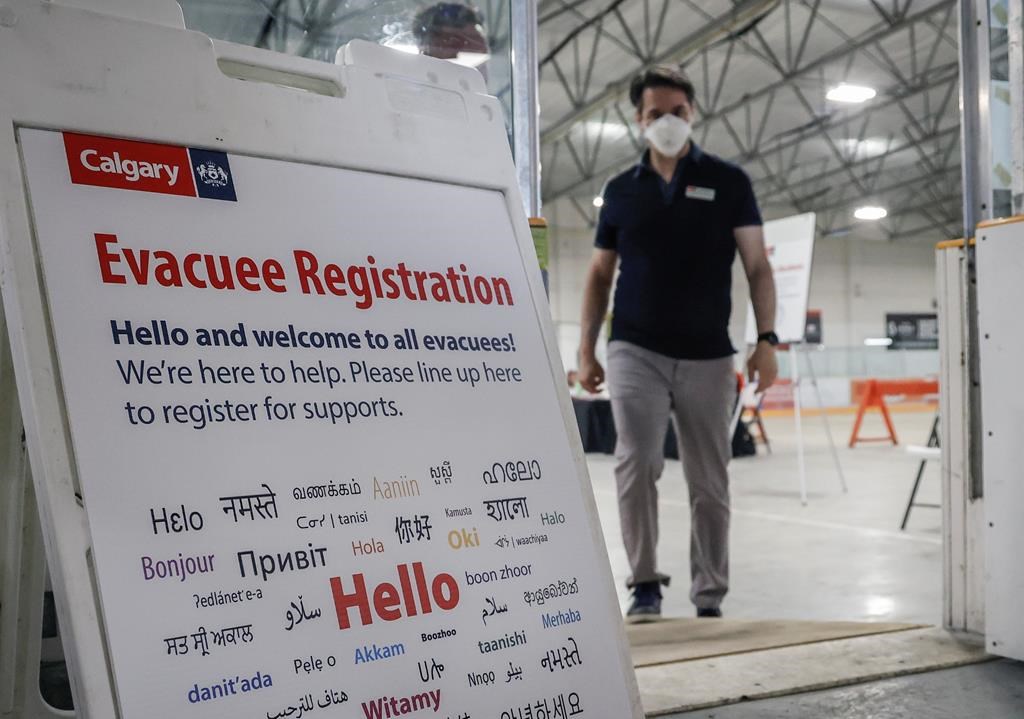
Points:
(597, 428)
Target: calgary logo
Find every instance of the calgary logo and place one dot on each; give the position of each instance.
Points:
(148, 167)
(212, 174)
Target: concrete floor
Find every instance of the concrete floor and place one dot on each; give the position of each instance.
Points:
(994, 690)
(841, 557)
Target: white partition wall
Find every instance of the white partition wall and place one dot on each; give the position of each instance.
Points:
(1000, 252)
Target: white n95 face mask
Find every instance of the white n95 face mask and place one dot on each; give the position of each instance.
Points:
(668, 134)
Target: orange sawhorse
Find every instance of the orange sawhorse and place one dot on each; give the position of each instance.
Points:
(751, 404)
(874, 394)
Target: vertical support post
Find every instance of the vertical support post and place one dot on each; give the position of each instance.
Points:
(1015, 31)
(976, 163)
(525, 103)
(794, 372)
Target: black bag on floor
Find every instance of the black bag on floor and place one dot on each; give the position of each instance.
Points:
(743, 442)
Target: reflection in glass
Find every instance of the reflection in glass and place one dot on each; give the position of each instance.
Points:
(451, 31)
(1000, 115)
(476, 34)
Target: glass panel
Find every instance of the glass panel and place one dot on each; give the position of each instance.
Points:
(864, 362)
(476, 35)
(999, 110)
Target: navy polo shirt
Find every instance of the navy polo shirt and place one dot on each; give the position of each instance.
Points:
(676, 249)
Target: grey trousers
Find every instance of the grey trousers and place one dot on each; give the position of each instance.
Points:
(646, 389)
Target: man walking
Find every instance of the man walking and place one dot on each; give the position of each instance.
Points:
(673, 224)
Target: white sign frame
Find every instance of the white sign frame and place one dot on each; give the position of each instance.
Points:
(147, 78)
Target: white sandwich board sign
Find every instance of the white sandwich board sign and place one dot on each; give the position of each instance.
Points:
(292, 351)
(790, 245)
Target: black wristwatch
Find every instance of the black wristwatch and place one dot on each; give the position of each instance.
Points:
(770, 337)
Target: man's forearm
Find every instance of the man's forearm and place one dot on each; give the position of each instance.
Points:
(595, 305)
(762, 296)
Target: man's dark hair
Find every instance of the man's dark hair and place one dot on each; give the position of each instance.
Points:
(444, 15)
(659, 77)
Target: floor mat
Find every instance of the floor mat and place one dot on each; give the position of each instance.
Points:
(760, 674)
(680, 640)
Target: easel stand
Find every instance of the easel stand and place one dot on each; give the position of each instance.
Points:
(795, 350)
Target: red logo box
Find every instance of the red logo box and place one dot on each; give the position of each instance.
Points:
(129, 165)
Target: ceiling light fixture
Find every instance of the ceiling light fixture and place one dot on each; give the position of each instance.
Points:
(850, 93)
(870, 212)
(864, 148)
(878, 341)
(598, 201)
(607, 129)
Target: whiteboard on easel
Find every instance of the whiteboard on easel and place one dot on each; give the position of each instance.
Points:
(294, 391)
(789, 242)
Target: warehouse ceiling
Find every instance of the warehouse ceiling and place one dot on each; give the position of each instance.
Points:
(762, 69)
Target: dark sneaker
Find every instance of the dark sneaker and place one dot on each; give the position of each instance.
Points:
(712, 612)
(646, 606)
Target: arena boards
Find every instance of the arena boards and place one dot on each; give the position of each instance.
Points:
(291, 351)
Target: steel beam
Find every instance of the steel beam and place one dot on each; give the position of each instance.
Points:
(840, 53)
(941, 174)
(866, 162)
(976, 149)
(944, 74)
(740, 15)
(929, 78)
(919, 209)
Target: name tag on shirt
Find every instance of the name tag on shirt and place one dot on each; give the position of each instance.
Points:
(700, 193)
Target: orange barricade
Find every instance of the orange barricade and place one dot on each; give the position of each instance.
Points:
(752, 409)
(873, 393)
